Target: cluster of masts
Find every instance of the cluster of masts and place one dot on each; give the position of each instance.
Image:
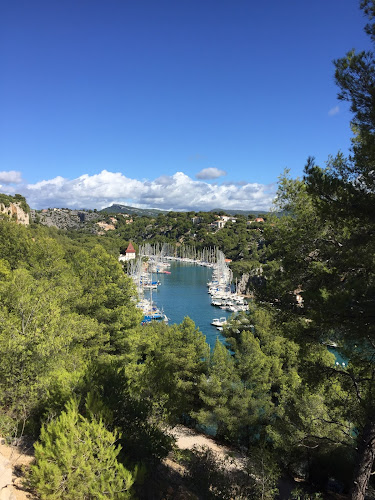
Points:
(141, 273)
(186, 253)
(155, 259)
(222, 295)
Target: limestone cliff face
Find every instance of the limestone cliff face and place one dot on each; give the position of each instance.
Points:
(14, 211)
(242, 285)
(64, 218)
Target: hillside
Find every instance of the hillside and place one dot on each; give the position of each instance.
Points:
(154, 212)
(124, 209)
(64, 218)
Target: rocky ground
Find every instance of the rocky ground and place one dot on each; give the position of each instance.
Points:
(188, 439)
(14, 460)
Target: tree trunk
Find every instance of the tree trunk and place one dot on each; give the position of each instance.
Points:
(366, 456)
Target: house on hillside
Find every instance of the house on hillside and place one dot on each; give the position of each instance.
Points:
(220, 223)
(257, 220)
(129, 253)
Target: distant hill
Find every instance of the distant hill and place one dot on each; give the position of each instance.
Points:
(124, 209)
(154, 212)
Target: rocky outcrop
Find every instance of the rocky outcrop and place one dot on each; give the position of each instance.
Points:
(64, 218)
(15, 212)
(105, 226)
(243, 284)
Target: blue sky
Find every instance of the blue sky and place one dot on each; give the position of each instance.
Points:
(183, 104)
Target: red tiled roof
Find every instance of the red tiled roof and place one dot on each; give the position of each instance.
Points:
(130, 249)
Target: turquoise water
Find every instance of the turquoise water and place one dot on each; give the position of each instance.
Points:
(339, 359)
(184, 293)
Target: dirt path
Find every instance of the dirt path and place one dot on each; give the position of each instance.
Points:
(187, 439)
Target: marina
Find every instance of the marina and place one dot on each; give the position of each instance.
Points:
(174, 283)
(183, 292)
(181, 288)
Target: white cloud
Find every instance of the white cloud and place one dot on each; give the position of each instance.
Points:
(334, 111)
(175, 192)
(10, 177)
(210, 173)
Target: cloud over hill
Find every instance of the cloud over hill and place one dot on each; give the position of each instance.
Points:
(175, 192)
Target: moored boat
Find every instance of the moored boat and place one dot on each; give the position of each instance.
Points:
(219, 322)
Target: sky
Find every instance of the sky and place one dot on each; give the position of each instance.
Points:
(170, 104)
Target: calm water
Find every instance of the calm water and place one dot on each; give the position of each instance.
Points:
(184, 293)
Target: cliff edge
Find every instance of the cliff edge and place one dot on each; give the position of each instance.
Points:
(15, 208)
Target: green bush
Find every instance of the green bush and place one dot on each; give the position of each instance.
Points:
(77, 459)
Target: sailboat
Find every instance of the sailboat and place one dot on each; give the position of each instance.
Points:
(152, 313)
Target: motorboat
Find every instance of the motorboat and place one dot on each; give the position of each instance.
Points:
(219, 322)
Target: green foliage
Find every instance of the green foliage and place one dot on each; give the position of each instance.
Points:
(15, 242)
(165, 365)
(223, 396)
(305, 260)
(237, 240)
(77, 458)
(112, 398)
(249, 387)
(22, 202)
(4, 269)
(324, 251)
(300, 494)
(6, 200)
(106, 294)
(39, 340)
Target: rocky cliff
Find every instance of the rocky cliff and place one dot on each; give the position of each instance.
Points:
(16, 212)
(64, 218)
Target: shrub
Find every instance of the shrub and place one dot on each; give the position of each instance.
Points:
(77, 459)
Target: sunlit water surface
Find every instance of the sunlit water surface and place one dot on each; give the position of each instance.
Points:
(183, 293)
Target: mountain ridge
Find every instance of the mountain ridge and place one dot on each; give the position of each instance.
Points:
(152, 212)
(118, 208)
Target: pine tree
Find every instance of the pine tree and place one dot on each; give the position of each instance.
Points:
(76, 458)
